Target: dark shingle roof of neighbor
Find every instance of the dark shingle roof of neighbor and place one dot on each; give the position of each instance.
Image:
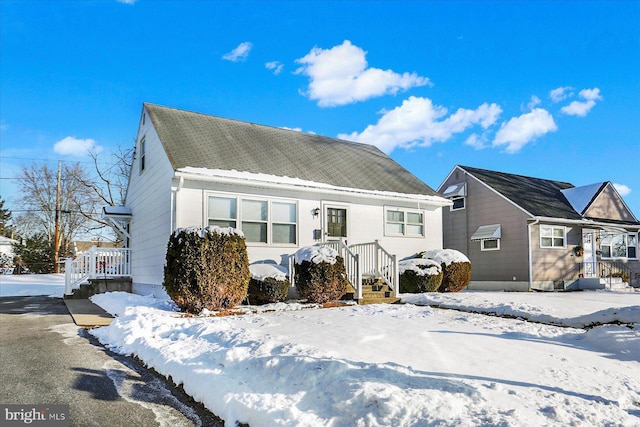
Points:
(203, 141)
(539, 197)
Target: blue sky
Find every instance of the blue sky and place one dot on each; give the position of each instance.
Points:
(545, 89)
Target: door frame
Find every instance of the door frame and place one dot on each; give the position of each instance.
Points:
(325, 217)
(589, 256)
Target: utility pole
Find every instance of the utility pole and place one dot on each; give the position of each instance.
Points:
(56, 237)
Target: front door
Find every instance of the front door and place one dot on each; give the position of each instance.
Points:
(336, 222)
(589, 256)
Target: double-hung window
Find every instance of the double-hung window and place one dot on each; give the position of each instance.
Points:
(223, 211)
(402, 222)
(261, 220)
(619, 245)
(552, 236)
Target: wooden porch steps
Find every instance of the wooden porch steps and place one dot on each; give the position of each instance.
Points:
(374, 291)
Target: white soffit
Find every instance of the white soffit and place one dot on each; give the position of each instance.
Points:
(486, 232)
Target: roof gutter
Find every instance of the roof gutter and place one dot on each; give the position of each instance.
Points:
(438, 201)
(583, 222)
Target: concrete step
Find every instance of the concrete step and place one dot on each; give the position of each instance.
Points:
(100, 286)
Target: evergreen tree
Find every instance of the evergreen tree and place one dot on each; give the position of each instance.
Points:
(5, 217)
(35, 254)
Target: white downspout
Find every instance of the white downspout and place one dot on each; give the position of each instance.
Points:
(531, 253)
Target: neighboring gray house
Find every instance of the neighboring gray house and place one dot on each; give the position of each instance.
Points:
(523, 233)
(284, 189)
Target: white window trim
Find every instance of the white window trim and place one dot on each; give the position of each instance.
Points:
(483, 249)
(239, 198)
(626, 248)
(143, 153)
(564, 236)
(405, 222)
(464, 199)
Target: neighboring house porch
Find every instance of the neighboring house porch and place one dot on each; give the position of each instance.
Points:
(524, 233)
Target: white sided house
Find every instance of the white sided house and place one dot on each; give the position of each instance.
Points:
(284, 189)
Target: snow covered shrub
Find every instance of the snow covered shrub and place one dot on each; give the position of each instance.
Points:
(419, 275)
(206, 268)
(320, 274)
(456, 268)
(269, 283)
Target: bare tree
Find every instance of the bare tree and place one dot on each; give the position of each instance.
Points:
(109, 185)
(38, 185)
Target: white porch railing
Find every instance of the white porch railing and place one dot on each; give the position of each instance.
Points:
(351, 264)
(97, 263)
(375, 261)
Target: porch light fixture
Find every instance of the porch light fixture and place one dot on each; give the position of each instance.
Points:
(315, 212)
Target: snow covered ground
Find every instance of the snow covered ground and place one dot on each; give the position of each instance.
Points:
(399, 365)
(32, 284)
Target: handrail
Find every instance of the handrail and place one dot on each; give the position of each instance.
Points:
(607, 270)
(377, 262)
(97, 263)
(351, 263)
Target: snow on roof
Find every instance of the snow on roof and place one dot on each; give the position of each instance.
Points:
(445, 256)
(6, 240)
(285, 180)
(580, 197)
(316, 254)
(261, 271)
(420, 266)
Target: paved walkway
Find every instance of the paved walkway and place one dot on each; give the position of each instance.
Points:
(46, 359)
(86, 314)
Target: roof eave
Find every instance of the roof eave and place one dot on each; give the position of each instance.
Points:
(436, 201)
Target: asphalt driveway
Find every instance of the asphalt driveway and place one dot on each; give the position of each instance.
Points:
(46, 359)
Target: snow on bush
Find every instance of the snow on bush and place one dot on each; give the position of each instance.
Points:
(261, 271)
(456, 268)
(419, 275)
(316, 254)
(320, 275)
(268, 284)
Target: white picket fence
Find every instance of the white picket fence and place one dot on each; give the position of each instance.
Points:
(97, 263)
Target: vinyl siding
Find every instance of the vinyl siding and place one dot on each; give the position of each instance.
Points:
(365, 218)
(149, 197)
(609, 205)
(484, 207)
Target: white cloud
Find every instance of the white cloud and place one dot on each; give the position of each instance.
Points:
(275, 66)
(126, 1)
(71, 146)
(418, 122)
(340, 76)
(534, 102)
(519, 131)
(582, 108)
(240, 53)
(561, 93)
(476, 141)
(622, 189)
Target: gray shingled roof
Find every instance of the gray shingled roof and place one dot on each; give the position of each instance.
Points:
(540, 197)
(203, 141)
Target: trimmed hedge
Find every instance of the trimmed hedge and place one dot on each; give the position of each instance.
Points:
(320, 275)
(456, 268)
(456, 276)
(206, 268)
(268, 290)
(419, 275)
